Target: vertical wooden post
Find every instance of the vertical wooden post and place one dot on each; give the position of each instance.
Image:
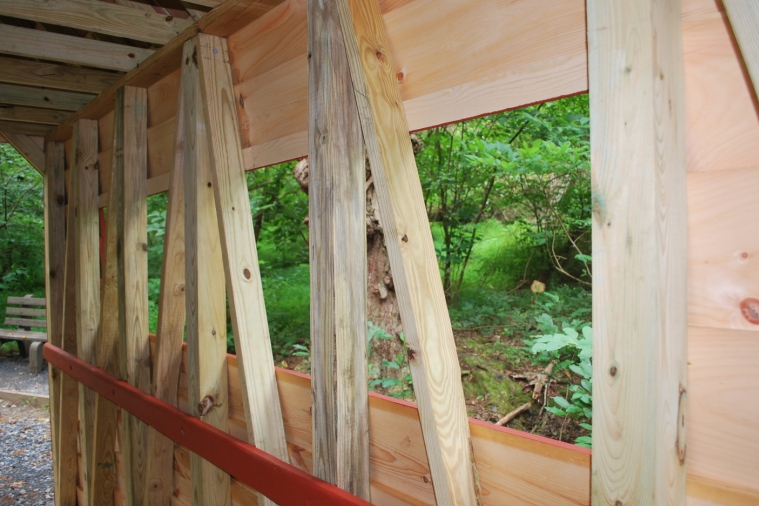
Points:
(65, 476)
(171, 318)
(431, 348)
(133, 300)
(55, 258)
(205, 288)
(246, 299)
(337, 237)
(639, 251)
(744, 19)
(87, 268)
(109, 351)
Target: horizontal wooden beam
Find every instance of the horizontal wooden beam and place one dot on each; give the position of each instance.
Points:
(167, 59)
(15, 127)
(68, 49)
(53, 75)
(36, 157)
(280, 481)
(32, 114)
(12, 94)
(99, 17)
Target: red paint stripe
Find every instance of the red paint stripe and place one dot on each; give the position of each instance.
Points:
(277, 480)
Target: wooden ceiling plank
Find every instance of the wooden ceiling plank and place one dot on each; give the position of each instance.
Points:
(32, 114)
(14, 127)
(29, 150)
(99, 17)
(52, 75)
(67, 49)
(46, 99)
(167, 59)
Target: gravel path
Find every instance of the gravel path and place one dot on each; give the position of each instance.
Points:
(26, 465)
(15, 375)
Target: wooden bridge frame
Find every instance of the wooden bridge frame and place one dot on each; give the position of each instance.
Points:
(675, 168)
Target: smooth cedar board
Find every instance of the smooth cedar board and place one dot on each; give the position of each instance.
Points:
(238, 246)
(337, 248)
(205, 287)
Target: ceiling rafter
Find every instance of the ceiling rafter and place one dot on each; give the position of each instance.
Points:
(98, 17)
(32, 114)
(67, 49)
(11, 127)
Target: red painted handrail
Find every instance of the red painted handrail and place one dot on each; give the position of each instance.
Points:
(279, 481)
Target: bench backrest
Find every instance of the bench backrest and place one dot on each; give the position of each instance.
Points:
(31, 313)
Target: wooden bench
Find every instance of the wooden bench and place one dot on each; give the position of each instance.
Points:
(26, 317)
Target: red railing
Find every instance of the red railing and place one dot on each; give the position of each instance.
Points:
(277, 480)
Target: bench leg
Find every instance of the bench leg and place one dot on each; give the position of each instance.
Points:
(35, 357)
(23, 347)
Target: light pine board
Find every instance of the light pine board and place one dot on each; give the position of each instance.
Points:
(431, 348)
(171, 323)
(205, 286)
(243, 278)
(639, 246)
(87, 260)
(99, 17)
(36, 156)
(55, 260)
(109, 340)
(744, 20)
(722, 412)
(133, 300)
(337, 246)
(66, 471)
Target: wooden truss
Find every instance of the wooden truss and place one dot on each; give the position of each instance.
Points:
(187, 99)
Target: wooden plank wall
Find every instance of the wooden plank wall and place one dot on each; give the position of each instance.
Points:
(529, 51)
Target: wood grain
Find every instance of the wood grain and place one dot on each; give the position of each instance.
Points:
(46, 99)
(722, 264)
(87, 268)
(722, 114)
(69, 49)
(32, 115)
(98, 17)
(204, 285)
(243, 278)
(31, 129)
(744, 19)
(133, 301)
(109, 342)
(639, 284)
(54, 159)
(431, 347)
(722, 442)
(66, 471)
(337, 246)
(171, 319)
(36, 157)
(51, 75)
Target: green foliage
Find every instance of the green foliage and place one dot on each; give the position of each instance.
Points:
(571, 348)
(528, 167)
(21, 224)
(400, 387)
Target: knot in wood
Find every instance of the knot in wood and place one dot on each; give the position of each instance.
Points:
(750, 310)
(613, 371)
(205, 405)
(246, 273)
